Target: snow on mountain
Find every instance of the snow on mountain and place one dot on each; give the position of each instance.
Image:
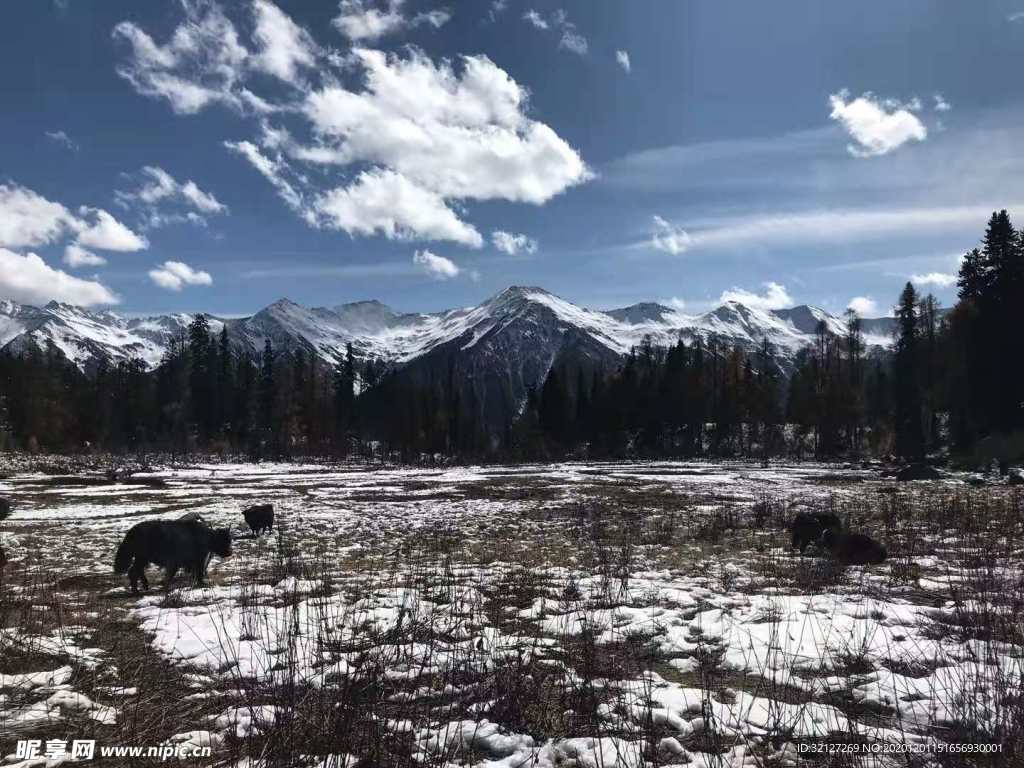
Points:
(376, 331)
(84, 337)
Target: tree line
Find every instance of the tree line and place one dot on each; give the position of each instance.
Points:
(952, 380)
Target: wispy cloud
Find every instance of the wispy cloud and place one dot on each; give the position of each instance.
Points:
(622, 57)
(669, 238)
(61, 138)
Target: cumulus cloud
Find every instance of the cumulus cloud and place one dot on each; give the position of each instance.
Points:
(366, 20)
(107, 233)
(30, 280)
(622, 57)
(439, 133)
(77, 256)
(876, 127)
(938, 279)
(161, 199)
(284, 48)
(940, 103)
(59, 137)
(203, 62)
(669, 238)
(774, 297)
(175, 275)
(388, 203)
(863, 305)
(512, 244)
(28, 219)
(436, 266)
(448, 135)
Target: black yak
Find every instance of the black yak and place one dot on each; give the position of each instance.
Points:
(807, 528)
(853, 548)
(172, 544)
(260, 517)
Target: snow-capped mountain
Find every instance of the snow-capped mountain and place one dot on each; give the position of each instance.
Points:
(520, 331)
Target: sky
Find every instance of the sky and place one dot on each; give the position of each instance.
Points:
(217, 156)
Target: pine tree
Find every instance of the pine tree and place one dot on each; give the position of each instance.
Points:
(907, 393)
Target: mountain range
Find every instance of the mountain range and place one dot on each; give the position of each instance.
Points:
(503, 346)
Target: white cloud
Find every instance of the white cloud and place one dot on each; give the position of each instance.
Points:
(669, 238)
(774, 297)
(29, 219)
(63, 139)
(453, 135)
(573, 41)
(941, 105)
(202, 63)
(436, 18)
(622, 57)
(1016, 16)
(437, 267)
(284, 46)
(107, 233)
(368, 20)
(388, 203)
(275, 170)
(163, 200)
(569, 39)
(77, 256)
(864, 306)
(938, 279)
(175, 275)
(876, 128)
(834, 226)
(30, 280)
(534, 18)
(440, 133)
(497, 8)
(512, 244)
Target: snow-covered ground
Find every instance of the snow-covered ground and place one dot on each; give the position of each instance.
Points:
(569, 614)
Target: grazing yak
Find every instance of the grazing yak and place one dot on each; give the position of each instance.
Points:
(808, 527)
(172, 544)
(260, 517)
(853, 548)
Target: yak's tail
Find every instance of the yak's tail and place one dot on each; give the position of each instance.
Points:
(126, 552)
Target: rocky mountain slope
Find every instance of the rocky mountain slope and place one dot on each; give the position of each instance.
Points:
(519, 332)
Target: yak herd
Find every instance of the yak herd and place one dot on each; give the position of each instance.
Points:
(188, 543)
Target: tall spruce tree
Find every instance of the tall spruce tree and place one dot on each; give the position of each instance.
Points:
(906, 384)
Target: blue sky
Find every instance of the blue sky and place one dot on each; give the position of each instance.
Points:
(218, 156)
